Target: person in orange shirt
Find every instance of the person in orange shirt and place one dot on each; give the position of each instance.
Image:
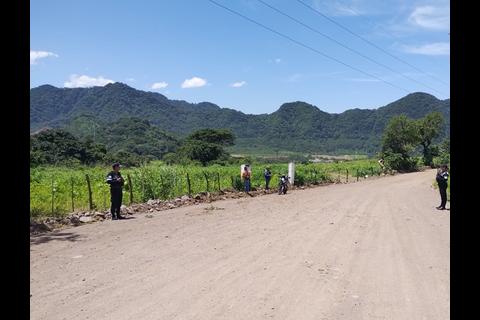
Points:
(246, 178)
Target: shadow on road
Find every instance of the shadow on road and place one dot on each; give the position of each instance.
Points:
(59, 236)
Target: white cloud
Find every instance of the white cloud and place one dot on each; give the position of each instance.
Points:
(130, 79)
(276, 60)
(84, 81)
(238, 84)
(194, 82)
(35, 55)
(350, 7)
(159, 85)
(430, 17)
(431, 49)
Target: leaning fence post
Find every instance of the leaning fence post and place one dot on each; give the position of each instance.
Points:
(189, 186)
(130, 185)
(90, 201)
(73, 206)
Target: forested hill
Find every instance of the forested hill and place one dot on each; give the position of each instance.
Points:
(295, 126)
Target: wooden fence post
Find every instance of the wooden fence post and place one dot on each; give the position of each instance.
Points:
(189, 186)
(130, 185)
(347, 175)
(218, 181)
(206, 179)
(233, 184)
(357, 175)
(73, 205)
(90, 200)
(53, 196)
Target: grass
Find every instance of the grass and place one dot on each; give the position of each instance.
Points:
(55, 191)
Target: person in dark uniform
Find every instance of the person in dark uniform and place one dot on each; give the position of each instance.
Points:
(442, 180)
(268, 175)
(116, 182)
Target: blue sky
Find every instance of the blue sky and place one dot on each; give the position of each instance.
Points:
(196, 51)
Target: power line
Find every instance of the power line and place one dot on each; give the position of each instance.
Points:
(304, 45)
(345, 46)
(377, 25)
(367, 41)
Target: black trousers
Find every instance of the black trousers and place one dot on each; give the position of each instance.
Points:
(443, 196)
(116, 199)
(267, 182)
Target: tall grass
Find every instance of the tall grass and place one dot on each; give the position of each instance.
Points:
(52, 189)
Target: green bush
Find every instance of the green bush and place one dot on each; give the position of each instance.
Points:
(238, 183)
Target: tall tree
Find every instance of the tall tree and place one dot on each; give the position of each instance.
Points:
(399, 140)
(429, 127)
(206, 145)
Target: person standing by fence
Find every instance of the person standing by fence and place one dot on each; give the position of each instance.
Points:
(116, 182)
(246, 178)
(268, 175)
(442, 180)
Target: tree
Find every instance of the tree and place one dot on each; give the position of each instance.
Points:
(55, 146)
(429, 128)
(399, 140)
(221, 137)
(443, 153)
(206, 145)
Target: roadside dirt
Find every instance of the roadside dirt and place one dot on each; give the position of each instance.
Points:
(372, 250)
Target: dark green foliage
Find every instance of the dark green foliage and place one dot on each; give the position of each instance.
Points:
(133, 135)
(57, 146)
(295, 126)
(205, 146)
(237, 183)
(220, 137)
(399, 141)
(299, 179)
(87, 140)
(443, 156)
(428, 129)
(403, 136)
(200, 151)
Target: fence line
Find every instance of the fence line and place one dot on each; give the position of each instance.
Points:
(69, 192)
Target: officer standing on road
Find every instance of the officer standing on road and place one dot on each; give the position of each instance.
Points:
(116, 182)
(442, 180)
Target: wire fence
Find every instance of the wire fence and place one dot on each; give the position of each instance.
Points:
(56, 191)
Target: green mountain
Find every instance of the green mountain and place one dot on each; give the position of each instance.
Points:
(295, 126)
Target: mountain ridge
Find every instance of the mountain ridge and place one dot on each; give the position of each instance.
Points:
(295, 126)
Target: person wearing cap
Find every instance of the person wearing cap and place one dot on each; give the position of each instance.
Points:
(116, 182)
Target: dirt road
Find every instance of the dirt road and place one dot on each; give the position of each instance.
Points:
(375, 249)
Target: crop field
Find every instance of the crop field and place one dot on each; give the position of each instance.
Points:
(60, 190)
